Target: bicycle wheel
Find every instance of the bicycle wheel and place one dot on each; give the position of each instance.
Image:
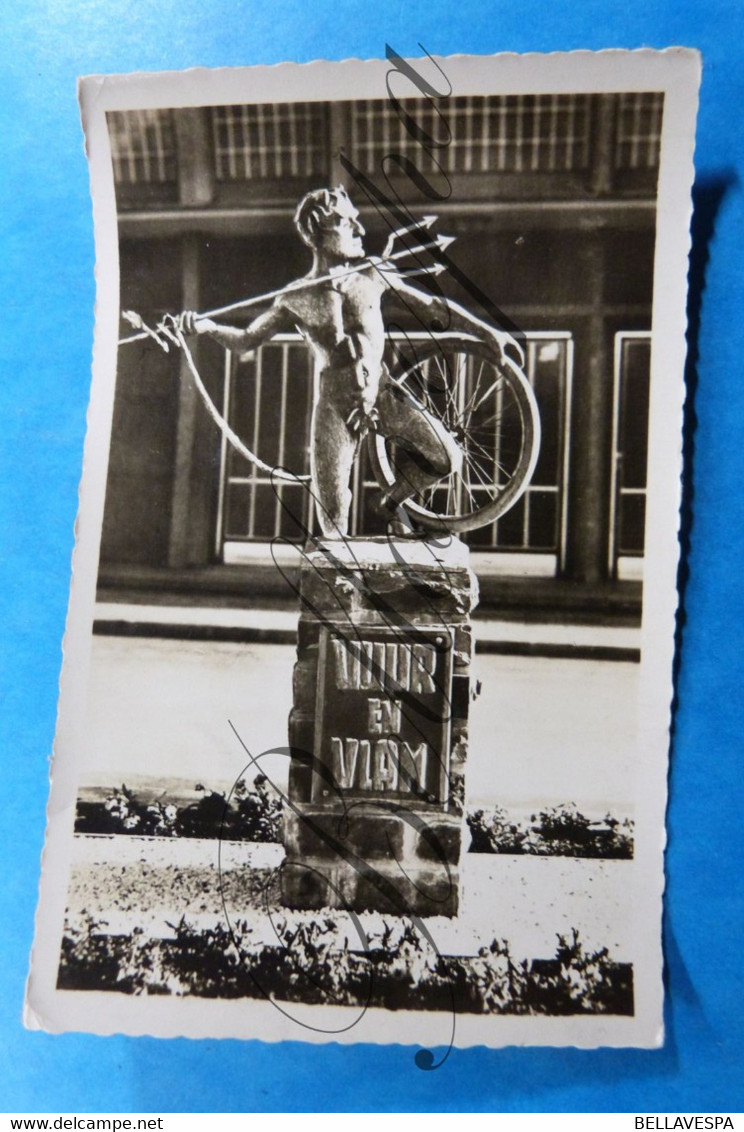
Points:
(488, 407)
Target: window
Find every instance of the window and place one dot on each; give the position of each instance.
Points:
(260, 392)
(271, 141)
(629, 451)
(536, 523)
(143, 147)
(638, 139)
(502, 133)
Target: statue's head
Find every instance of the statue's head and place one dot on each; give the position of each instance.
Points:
(327, 221)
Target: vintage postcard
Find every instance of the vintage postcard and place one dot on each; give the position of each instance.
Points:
(364, 715)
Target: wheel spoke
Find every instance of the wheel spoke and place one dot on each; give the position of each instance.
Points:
(502, 468)
(450, 394)
(469, 465)
(465, 480)
(467, 408)
(491, 389)
(489, 455)
(451, 497)
(485, 475)
(500, 414)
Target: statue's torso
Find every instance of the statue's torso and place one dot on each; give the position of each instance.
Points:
(342, 320)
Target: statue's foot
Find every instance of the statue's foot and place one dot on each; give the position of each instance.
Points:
(402, 532)
(398, 520)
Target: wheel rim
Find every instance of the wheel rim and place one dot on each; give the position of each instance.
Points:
(489, 408)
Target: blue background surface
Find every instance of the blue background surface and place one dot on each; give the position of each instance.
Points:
(46, 314)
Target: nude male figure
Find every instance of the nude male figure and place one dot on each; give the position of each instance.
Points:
(341, 318)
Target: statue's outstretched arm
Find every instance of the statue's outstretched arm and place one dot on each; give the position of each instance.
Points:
(441, 315)
(276, 320)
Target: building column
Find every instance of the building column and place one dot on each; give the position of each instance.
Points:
(591, 432)
(190, 541)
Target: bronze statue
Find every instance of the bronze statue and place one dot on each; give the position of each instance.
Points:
(337, 307)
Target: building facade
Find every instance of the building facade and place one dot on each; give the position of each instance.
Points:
(552, 200)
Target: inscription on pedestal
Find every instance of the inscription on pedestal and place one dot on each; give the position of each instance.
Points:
(379, 728)
(383, 713)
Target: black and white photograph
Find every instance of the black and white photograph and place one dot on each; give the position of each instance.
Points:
(364, 715)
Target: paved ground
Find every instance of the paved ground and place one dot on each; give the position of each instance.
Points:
(150, 883)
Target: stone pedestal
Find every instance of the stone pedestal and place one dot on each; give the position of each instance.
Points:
(378, 729)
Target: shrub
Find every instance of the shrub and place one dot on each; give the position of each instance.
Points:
(492, 832)
(248, 815)
(401, 970)
(560, 831)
